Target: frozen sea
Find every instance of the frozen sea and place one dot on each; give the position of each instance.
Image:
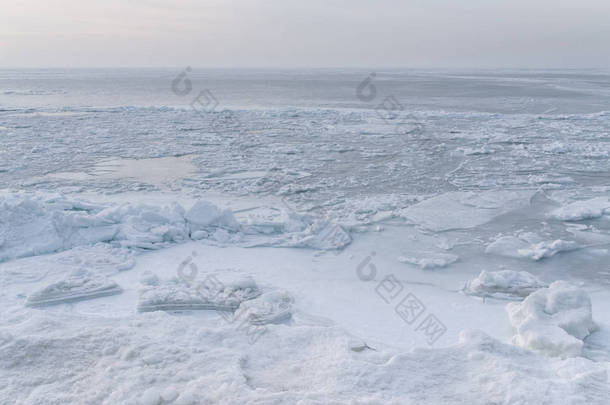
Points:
(195, 236)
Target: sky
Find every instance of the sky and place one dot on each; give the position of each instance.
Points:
(306, 33)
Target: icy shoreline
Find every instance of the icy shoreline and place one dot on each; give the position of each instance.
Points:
(305, 251)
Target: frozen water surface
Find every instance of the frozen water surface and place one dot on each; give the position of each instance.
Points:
(384, 237)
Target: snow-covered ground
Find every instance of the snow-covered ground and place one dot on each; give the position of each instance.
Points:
(301, 243)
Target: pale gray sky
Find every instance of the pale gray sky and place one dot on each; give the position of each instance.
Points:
(306, 33)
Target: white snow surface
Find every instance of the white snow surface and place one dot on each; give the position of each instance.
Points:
(116, 363)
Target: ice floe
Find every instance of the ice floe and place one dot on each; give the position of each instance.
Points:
(80, 285)
(527, 247)
(504, 284)
(581, 210)
(464, 210)
(553, 320)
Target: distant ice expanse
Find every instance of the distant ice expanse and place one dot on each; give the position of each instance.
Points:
(323, 236)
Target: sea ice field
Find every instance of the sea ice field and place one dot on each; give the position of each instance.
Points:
(198, 236)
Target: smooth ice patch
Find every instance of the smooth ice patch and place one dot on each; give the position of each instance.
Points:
(155, 171)
(464, 210)
(152, 170)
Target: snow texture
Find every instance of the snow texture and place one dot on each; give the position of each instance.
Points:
(191, 363)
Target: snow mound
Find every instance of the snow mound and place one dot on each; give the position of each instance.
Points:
(179, 294)
(553, 320)
(434, 262)
(504, 284)
(80, 285)
(581, 210)
(270, 307)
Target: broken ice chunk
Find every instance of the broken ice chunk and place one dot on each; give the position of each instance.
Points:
(548, 249)
(505, 284)
(209, 294)
(78, 286)
(433, 261)
(511, 246)
(204, 215)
